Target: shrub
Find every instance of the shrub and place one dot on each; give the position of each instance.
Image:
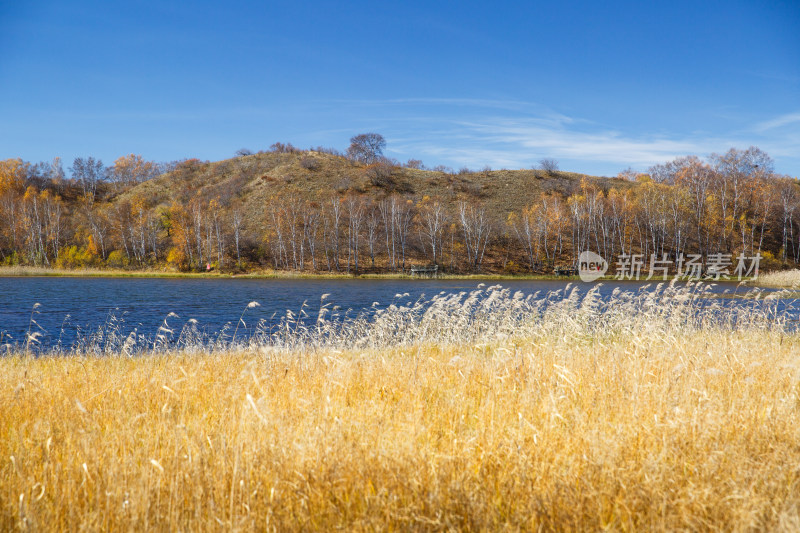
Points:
(549, 165)
(281, 148)
(380, 175)
(177, 259)
(769, 262)
(11, 259)
(310, 163)
(74, 257)
(117, 259)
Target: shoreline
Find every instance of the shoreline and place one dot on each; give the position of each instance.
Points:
(26, 272)
(31, 272)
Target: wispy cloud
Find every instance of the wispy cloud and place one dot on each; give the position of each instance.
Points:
(777, 122)
(515, 135)
(602, 145)
(509, 142)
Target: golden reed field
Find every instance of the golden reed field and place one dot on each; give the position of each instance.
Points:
(484, 411)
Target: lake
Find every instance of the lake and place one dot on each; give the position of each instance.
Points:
(71, 308)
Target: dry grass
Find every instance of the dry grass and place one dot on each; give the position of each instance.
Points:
(260, 273)
(585, 418)
(781, 278)
(38, 271)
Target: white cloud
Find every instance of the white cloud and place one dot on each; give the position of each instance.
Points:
(518, 143)
(778, 122)
(476, 139)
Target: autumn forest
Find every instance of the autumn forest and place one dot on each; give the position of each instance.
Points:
(356, 212)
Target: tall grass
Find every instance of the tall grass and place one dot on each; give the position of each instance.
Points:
(446, 318)
(485, 410)
(781, 278)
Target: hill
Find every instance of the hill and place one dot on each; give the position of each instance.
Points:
(254, 181)
(315, 175)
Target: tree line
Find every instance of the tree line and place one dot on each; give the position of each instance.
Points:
(101, 217)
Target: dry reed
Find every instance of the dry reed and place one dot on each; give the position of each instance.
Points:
(639, 413)
(781, 278)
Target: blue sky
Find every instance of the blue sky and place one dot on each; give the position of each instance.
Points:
(600, 86)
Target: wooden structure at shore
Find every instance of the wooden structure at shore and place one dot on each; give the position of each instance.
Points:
(425, 271)
(565, 271)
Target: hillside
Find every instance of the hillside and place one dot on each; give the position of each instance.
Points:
(254, 180)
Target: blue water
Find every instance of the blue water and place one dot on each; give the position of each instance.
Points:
(69, 308)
